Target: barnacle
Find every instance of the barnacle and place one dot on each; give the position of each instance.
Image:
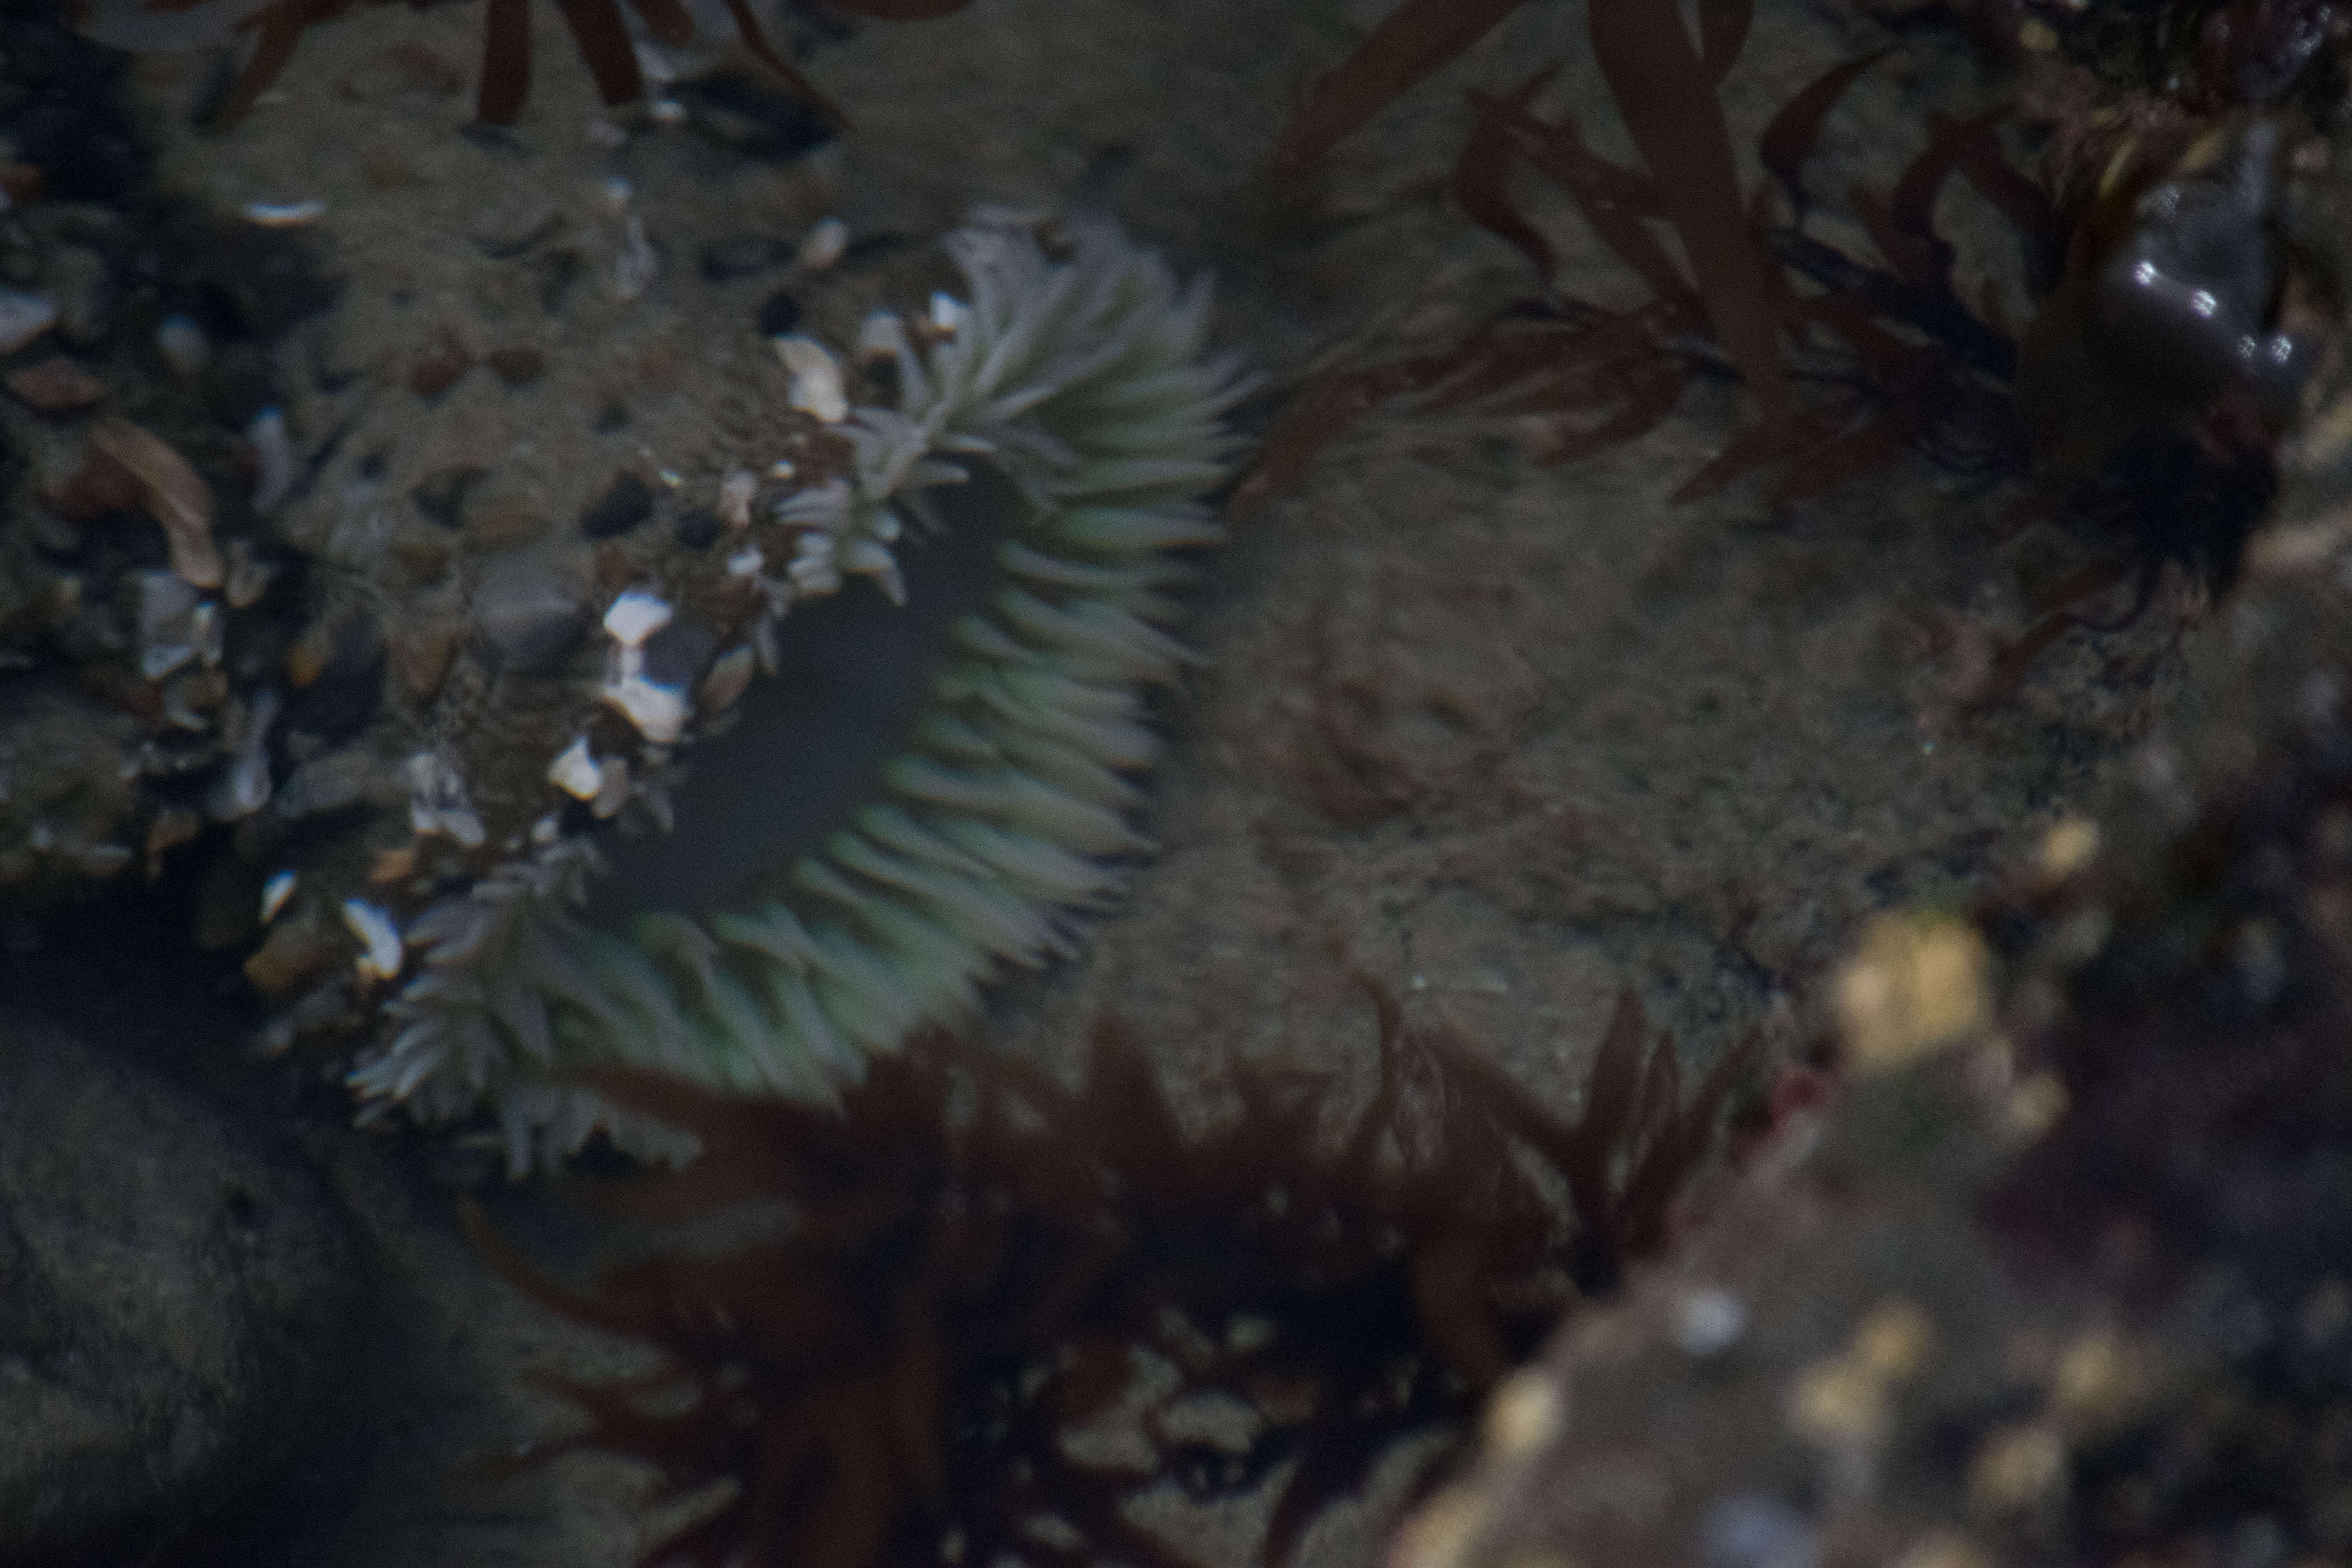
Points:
(1080, 384)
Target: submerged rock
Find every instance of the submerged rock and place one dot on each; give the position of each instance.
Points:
(175, 1301)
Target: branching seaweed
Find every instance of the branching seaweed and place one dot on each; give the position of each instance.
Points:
(1889, 354)
(2141, 417)
(980, 1261)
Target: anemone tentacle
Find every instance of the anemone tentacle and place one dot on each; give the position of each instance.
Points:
(1008, 818)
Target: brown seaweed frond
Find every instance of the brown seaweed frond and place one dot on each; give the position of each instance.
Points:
(980, 1262)
(598, 31)
(1891, 357)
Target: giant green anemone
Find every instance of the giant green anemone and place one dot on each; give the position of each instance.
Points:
(1074, 382)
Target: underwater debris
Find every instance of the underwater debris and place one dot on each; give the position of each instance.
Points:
(603, 34)
(982, 1263)
(1078, 378)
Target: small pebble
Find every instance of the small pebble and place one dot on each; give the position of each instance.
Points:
(23, 318)
(508, 229)
(431, 374)
(825, 245)
(55, 386)
(530, 617)
(441, 495)
(1710, 1322)
(183, 345)
(625, 503)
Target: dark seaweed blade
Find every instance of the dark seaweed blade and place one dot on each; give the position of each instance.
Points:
(603, 39)
(1788, 141)
(1681, 1145)
(1327, 409)
(1662, 89)
(1480, 183)
(1408, 45)
(281, 30)
(747, 27)
(506, 62)
(1612, 198)
(895, 10)
(1723, 28)
(667, 20)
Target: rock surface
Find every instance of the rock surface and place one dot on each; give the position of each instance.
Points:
(175, 1306)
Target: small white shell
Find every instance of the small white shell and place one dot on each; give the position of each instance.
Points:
(273, 455)
(283, 214)
(575, 773)
(659, 712)
(816, 378)
(635, 617)
(825, 245)
(736, 492)
(746, 562)
(378, 935)
(274, 894)
(881, 336)
(614, 792)
(727, 678)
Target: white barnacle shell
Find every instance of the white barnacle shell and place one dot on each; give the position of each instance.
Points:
(735, 494)
(730, 674)
(437, 802)
(881, 336)
(574, 771)
(658, 711)
(825, 245)
(816, 378)
(635, 617)
(274, 894)
(381, 952)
